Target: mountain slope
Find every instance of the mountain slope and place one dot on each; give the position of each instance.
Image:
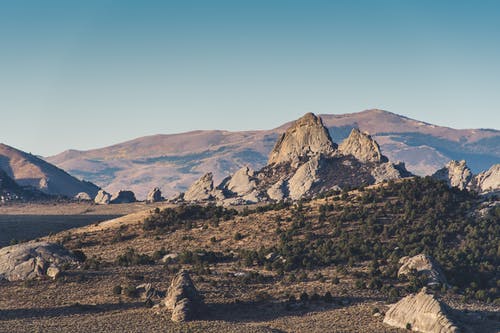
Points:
(173, 162)
(28, 170)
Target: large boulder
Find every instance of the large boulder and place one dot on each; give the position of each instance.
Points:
(242, 182)
(424, 265)
(306, 137)
(303, 179)
(102, 198)
(455, 174)
(123, 197)
(421, 312)
(83, 196)
(278, 191)
(154, 196)
(362, 146)
(202, 189)
(27, 261)
(488, 181)
(389, 171)
(183, 298)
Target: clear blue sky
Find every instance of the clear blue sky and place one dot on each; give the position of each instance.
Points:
(86, 74)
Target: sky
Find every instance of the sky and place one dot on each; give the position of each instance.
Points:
(88, 74)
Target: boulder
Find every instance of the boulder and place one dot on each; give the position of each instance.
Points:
(83, 196)
(425, 266)
(389, 171)
(154, 196)
(421, 312)
(27, 261)
(102, 198)
(123, 197)
(488, 181)
(362, 147)
(306, 137)
(455, 174)
(183, 298)
(303, 179)
(242, 182)
(278, 191)
(201, 190)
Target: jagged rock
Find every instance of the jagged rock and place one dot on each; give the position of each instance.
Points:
(123, 197)
(306, 137)
(53, 272)
(362, 146)
(278, 191)
(303, 179)
(102, 197)
(83, 196)
(242, 182)
(389, 171)
(423, 312)
(425, 266)
(488, 181)
(27, 261)
(183, 298)
(146, 291)
(154, 196)
(455, 174)
(201, 190)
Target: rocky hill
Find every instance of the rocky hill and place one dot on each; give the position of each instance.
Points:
(173, 162)
(30, 171)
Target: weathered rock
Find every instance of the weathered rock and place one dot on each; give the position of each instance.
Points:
(423, 313)
(303, 179)
(146, 291)
(455, 174)
(27, 261)
(424, 265)
(306, 137)
(183, 298)
(362, 146)
(154, 196)
(389, 171)
(278, 191)
(242, 182)
(83, 196)
(123, 197)
(488, 181)
(201, 190)
(169, 257)
(102, 197)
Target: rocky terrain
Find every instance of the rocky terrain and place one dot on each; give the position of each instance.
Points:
(174, 162)
(457, 174)
(30, 171)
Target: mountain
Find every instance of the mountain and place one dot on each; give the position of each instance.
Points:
(30, 171)
(173, 162)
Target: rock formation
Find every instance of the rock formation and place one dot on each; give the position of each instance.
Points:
(242, 182)
(102, 198)
(122, 197)
(362, 146)
(83, 196)
(306, 137)
(421, 312)
(456, 174)
(389, 171)
(424, 265)
(27, 261)
(303, 179)
(488, 181)
(154, 196)
(183, 298)
(201, 190)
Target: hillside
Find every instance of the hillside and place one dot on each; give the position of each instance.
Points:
(325, 265)
(173, 162)
(30, 171)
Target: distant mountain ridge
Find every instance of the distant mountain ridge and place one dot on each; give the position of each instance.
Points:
(173, 162)
(31, 171)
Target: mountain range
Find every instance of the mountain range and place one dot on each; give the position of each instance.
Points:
(174, 161)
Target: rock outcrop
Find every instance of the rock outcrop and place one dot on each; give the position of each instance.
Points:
(455, 174)
(242, 182)
(154, 196)
(27, 261)
(389, 171)
(487, 181)
(362, 146)
(83, 196)
(122, 197)
(183, 298)
(424, 265)
(306, 137)
(421, 312)
(202, 189)
(102, 198)
(303, 179)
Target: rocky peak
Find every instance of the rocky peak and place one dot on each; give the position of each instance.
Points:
(488, 181)
(202, 189)
(307, 136)
(362, 147)
(456, 174)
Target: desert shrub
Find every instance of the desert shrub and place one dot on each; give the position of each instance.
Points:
(117, 290)
(131, 258)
